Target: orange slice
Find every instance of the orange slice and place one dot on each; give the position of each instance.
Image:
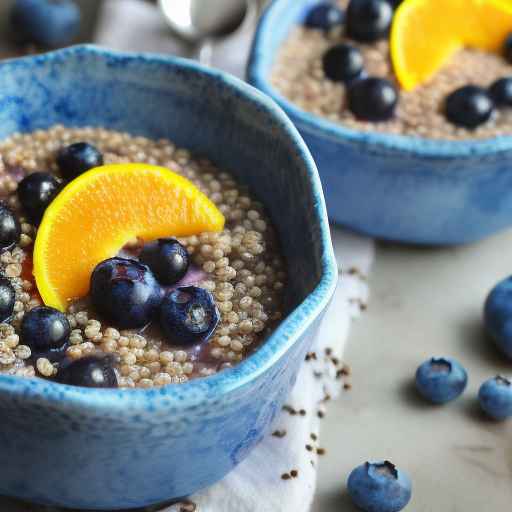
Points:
(95, 215)
(426, 33)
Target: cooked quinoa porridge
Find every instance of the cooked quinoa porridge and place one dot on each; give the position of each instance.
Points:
(299, 75)
(240, 268)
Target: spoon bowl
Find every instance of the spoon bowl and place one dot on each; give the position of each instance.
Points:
(196, 20)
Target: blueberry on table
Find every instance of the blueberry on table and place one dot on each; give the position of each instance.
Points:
(10, 229)
(89, 371)
(507, 48)
(125, 292)
(324, 16)
(188, 315)
(48, 23)
(379, 487)
(495, 397)
(167, 259)
(372, 99)
(78, 158)
(501, 92)
(469, 107)
(441, 380)
(35, 192)
(498, 315)
(368, 20)
(7, 299)
(342, 63)
(44, 329)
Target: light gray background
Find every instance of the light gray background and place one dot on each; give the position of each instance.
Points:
(424, 302)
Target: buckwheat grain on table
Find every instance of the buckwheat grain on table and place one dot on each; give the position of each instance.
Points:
(298, 75)
(241, 266)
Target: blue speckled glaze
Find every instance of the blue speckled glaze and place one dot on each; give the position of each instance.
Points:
(391, 186)
(112, 449)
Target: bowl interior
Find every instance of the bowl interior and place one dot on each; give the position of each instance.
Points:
(206, 112)
(280, 17)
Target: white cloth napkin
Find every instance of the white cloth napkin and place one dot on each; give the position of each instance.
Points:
(280, 474)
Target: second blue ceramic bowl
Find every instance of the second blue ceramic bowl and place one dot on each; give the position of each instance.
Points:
(116, 449)
(394, 187)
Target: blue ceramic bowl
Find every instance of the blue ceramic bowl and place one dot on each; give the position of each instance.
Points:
(389, 186)
(112, 449)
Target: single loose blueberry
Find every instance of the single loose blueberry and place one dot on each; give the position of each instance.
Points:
(441, 380)
(78, 158)
(188, 315)
(498, 315)
(495, 397)
(342, 63)
(35, 192)
(469, 106)
(44, 329)
(48, 23)
(324, 16)
(125, 292)
(167, 259)
(501, 92)
(89, 371)
(7, 299)
(10, 229)
(379, 487)
(368, 20)
(372, 99)
(507, 48)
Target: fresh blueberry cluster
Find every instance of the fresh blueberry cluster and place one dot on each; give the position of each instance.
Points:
(127, 293)
(470, 106)
(37, 190)
(369, 98)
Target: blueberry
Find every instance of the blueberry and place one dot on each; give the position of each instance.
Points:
(372, 99)
(324, 16)
(469, 106)
(35, 192)
(342, 63)
(379, 487)
(44, 329)
(188, 315)
(394, 3)
(501, 92)
(48, 23)
(10, 229)
(125, 292)
(77, 158)
(495, 397)
(441, 380)
(7, 298)
(368, 20)
(507, 48)
(167, 259)
(498, 316)
(89, 371)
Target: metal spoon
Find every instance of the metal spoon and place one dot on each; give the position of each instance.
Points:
(204, 22)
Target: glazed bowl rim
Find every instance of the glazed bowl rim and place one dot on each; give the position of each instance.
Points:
(206, 389)
(379, 144)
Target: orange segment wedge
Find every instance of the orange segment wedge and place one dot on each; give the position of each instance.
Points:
(95, 215)
(426, 33)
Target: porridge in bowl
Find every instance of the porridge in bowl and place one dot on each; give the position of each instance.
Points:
(196, 291)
